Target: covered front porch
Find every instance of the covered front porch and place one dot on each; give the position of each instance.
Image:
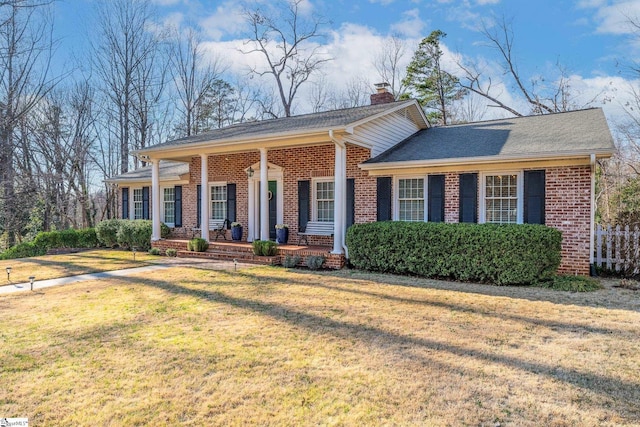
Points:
(243, 252)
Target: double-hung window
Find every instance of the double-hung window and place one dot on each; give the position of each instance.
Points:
(169, 202)
(502, 198)
(219, 202)
(137, 203)
(324, 200)
(411, 199)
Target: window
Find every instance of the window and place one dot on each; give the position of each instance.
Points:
(324, 200)
(411, 199)
(169, 202)
(502, 197)
(219, 201)
(137, 203)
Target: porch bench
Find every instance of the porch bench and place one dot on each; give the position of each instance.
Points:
(315, 228)
(219, 226)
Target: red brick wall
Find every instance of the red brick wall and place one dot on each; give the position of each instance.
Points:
(568, 208)
(451, 197)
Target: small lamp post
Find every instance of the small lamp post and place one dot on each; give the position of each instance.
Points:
(8, 274)
(235, 264)
(134, 250)
(31, 280)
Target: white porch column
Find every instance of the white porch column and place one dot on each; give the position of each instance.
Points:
(339, 195)
(155, 200)
(204, 196)
(264, 195)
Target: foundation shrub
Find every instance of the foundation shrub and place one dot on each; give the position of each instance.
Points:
(107, 231)
(510, 254)
(264, 248)
(128, 233)
(197, 245)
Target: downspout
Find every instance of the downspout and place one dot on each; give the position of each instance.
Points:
(342, 145)
(592, 267)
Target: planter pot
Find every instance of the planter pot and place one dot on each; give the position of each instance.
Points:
(282, 235)
(236, 233)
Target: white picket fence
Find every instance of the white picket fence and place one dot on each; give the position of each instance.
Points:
(618, 248)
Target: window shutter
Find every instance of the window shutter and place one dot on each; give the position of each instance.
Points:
(383, 191)
(199, 203)
(351, 200)
(468, 197)
(231, 203)
(303, 204)
(125, 203)
(145, 202)
(534, 197)
(436, 198)
(177, 206)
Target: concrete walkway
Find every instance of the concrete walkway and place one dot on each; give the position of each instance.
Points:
(40, 284)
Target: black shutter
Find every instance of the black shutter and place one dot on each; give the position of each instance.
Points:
(199, 202)
(177, 207)
(383, 192)
(231, 203)
(304, 188)
(436, 198)
(351, 200)
(145, 203)
(468, 197)
(125, 203)
(534, 197)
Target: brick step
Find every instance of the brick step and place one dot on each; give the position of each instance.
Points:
(230, 256)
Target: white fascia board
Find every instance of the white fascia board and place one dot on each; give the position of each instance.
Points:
(603, 153)
(398, 107)
(175, 179)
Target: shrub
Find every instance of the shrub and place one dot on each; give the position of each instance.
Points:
(23, 250)
(314, 262)
(106, 232)
(197, 245)
(264, 248)
(47, 240)
(572, 284)
(87, 238)
(290, 261)
(171, 252)
(154, 251)
(512, 254)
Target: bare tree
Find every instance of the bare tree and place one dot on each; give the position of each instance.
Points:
(286, 42)
(25, 53)
(125, 57)
(544, 95)
(388, 62)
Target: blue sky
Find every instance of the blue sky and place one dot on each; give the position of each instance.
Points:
(590, 38)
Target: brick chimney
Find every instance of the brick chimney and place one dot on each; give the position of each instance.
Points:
(382, 95)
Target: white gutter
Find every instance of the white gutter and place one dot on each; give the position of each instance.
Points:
(410, 164)
(593, 214)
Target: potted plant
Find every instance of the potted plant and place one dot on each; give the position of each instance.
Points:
(282, 233)
(236, 231)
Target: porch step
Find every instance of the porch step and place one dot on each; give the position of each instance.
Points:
(240, 256)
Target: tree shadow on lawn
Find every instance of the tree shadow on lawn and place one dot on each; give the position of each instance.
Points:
(457, 307)
(604, 298)
(621, 392)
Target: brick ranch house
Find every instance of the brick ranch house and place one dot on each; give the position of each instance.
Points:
(375, 163)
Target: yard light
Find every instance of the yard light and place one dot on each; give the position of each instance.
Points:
(235, 264)
(134, 249)
(31, 280)
(8, 274)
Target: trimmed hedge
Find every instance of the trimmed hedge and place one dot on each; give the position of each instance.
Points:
(128, 233)
(510, 254)
(197, 244)
(264, 248)
(46, 240)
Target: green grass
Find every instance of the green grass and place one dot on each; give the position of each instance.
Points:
(275, 346)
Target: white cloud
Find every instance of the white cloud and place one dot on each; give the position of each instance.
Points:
(613, 18)
(411, 24)
(227, 20)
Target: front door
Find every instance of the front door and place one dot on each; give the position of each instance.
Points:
(273, 209)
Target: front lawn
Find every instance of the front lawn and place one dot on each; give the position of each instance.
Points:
(53, 267)
(271, 346)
